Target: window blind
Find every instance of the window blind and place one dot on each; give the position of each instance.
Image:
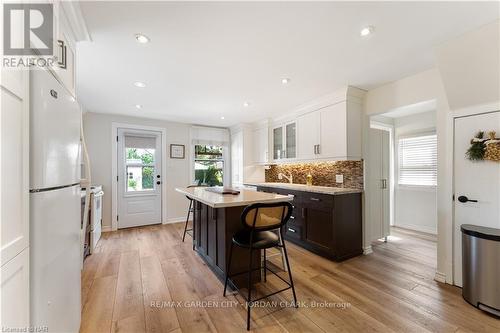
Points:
(418, 160)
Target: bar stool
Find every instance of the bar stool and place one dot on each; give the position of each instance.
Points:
(190, 210)
(260, 220)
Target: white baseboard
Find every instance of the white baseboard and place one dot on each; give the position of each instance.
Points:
(440, 277)
(175, 220)
(367, 250)
(419, 228)
(106, 228)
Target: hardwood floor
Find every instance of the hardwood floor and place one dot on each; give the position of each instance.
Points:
(128, 283)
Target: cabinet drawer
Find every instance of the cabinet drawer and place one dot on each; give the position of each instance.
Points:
(315, 200)
(297, 214)
(293, 231)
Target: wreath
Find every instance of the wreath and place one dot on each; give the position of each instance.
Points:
(482, 148)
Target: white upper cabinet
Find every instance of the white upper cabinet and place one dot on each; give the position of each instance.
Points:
(325, 129)
(308, 138)
(285, 141)
(261, 145)
(64, 49)
(331, 132)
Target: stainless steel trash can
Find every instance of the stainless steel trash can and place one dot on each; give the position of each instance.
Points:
(481, 267)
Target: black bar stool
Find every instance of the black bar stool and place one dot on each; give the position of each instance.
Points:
(190, 210)
(260, 221)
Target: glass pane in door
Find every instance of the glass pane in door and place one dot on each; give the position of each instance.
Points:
(278, 143)
(291, 133)
(140, 168)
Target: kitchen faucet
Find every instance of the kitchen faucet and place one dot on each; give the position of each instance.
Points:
(289, 178)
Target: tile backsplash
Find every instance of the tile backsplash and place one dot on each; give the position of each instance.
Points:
(323, 173)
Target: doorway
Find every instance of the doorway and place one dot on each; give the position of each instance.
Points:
(139, 177)
(402, 197)
(476, 182)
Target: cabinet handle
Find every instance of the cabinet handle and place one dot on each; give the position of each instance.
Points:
(303, 213)
(291, 230)
(318, 150)
(62, 64)
(315, 149)
(315, 199)
(292, 217)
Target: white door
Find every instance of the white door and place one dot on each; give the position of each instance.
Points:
(478, 180)
(139, 177)
(378, 186)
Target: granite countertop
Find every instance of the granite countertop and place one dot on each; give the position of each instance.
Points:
(306, 188)
(217, 200)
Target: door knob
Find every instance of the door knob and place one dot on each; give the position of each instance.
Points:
(157, 176)
(158, 183)
(464, 199)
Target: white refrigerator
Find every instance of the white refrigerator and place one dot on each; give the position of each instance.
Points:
(55, 260)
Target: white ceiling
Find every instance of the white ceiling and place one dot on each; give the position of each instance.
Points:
(206, 59)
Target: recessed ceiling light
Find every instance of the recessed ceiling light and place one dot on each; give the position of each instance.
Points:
(285, 80)
(367, 31)
(139, 84)
(143, 39)
(222, 118)
(246, 104)
(138, 106)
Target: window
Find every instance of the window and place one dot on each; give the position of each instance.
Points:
(140, 165)
(418, 160)
(208, 165)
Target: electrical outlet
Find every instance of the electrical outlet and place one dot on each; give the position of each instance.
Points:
(339, 179)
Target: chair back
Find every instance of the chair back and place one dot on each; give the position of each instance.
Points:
(266, 216)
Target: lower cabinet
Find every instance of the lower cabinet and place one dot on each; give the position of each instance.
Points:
(328, 225)
(15, 296)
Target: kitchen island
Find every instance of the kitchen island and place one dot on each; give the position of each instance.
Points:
(325, 220)
(216, 218)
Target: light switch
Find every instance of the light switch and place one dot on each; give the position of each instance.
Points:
(339, 179)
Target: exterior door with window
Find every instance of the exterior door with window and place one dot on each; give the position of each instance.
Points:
(139, 178)
(477, 182)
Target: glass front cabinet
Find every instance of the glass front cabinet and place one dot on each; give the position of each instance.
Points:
(285, 141)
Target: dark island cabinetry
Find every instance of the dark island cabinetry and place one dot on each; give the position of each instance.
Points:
(328, 225)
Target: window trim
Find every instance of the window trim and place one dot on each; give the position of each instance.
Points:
(426, 188)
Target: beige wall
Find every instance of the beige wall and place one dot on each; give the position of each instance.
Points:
(470, 67)
(97, 129)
